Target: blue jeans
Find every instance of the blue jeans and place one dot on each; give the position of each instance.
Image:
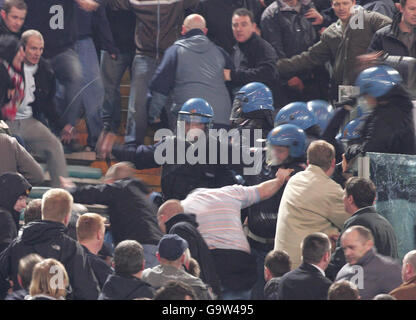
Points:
(92, 93)
(112, 72)
(142, 72)
(68, 72)
(258, 289)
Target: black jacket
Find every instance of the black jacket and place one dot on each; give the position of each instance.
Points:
(5, 30)
(271, 289)
(125, 288)
(185, 226)
(389, 128)
(254, 61)
(383, 233)
(48, 239)
(304, 283)
(101, 269)
(12, 186)
(44, 106)
(386, 39)
(17, 295)
(122, 25)
(218, 15)
(132, 216)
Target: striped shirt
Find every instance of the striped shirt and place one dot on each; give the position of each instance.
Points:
(218, 213)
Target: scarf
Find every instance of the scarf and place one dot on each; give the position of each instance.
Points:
(9, 110)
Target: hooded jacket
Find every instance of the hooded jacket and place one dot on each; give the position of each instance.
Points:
(12, 186)
(119, 287)
(49, 240)
(194, 67)
(185, 226)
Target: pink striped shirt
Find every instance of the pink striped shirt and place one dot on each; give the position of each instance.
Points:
(218, 213)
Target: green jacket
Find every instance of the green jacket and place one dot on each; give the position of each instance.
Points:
(338, 45)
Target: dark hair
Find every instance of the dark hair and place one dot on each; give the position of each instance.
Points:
(175, 290)
(314, 247)
(278, 262)
(362, 190)
(243, 12)
(18, 4)
(128, 258)
(33, 211)
(403, 3)
(25, 269)
(343, 290)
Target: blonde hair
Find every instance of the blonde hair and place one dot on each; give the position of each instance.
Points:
(49, 278)
(88, 225)
(56, 205)
(120, 170)
(321, 153)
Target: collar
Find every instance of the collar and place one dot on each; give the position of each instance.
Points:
(365, 209)
(194, 32)
(370, 254)
(248, 42)
(320, 270)
(316, 170)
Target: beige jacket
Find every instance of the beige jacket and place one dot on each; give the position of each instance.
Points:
(311, 202)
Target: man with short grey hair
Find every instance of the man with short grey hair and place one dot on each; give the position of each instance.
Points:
(308, 282)
(311, 202)
(370, 271)
(192, 67)
(407, 291)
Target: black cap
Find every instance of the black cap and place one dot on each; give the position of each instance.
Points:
(171, 247)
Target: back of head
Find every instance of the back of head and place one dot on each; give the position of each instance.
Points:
(56, 205)
(25, 269)
(18, 4)
(119, 171)
(171, 247)
(343, 290)
(321, 153)
(49, 278)
(170, 208)
(88, 225)
(33, 211)
(128, 258)
(314, 247)
(384, 296)
(278, 262)
(364, 234)
(194, 21)
(175, 290)
(362, 190)
(410, 258)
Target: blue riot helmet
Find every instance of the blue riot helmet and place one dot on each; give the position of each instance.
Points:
(285, 135)
(323, 112)
(250, 98)
(296, 113)
(351, 132)
(194, 112)
(377, 81)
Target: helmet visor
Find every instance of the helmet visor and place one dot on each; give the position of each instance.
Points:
(236, 110)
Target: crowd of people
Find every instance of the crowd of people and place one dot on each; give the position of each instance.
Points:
(289, 221)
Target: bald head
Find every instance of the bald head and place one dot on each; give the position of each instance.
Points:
(409, 266)
(194, 21)
(168, 210)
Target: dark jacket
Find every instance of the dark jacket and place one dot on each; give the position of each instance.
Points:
(49, 240)
(383, 233)
(185, 226)
(5, 30)
(122, 25)
(44, 106)
(132, 216)
(125, 288)
(101, 269)
(60, 33)
(271, 289)
(218, 15)
(17, 295)
(304, 283)
(379, 274)
(254, 61)
(389, 128)
(386, 39)
(150, 39)
(12, 186)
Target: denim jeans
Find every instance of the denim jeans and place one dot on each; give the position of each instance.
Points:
(142, 72)
(68, 72)
(258, 289)
(92, 93)
(112, 72)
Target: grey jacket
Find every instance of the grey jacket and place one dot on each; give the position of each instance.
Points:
(340, 46)
(373, 274)
(160, 275)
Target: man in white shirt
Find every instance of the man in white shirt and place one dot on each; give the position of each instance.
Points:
(38, 104)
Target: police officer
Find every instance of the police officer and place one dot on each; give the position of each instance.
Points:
(323, 112)
(180, 176)
(285, 151)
